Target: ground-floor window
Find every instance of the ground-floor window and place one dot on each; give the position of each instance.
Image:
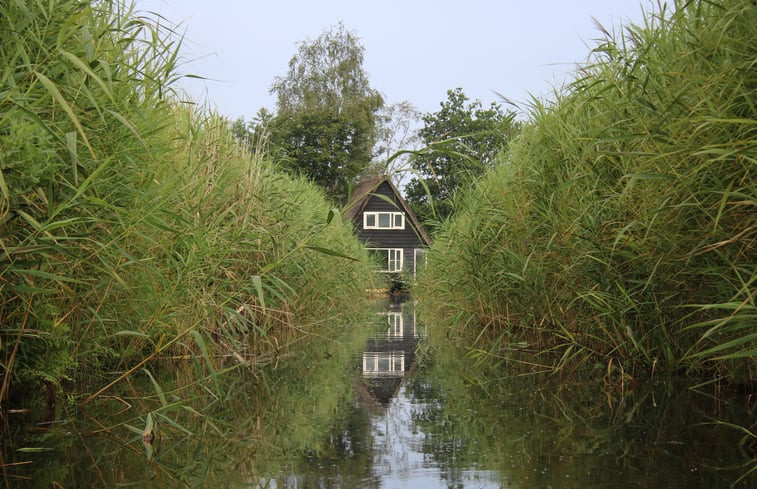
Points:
(396, 324)
(419, 259)
(388, 259)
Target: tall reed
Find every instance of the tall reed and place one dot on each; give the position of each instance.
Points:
(132, 227)
(620, 227)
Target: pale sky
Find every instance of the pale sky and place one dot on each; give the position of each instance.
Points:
(415, 50)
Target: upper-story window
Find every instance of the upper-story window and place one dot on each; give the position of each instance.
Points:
(383, 220)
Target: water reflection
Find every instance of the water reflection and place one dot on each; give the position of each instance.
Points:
(235, 430)
(385, 445)
(444, 423)
(399, 455)
(364, 410)
(390, 354)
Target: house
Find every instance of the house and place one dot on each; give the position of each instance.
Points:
(387, 226)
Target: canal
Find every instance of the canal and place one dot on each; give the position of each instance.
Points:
(387, 406)
(446, 421)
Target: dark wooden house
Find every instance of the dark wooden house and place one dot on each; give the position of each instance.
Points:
(387, 226)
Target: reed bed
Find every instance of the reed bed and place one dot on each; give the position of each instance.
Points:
(132, 227)
(618, 230)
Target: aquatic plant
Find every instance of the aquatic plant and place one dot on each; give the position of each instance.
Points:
(619, 228)
(132, 226)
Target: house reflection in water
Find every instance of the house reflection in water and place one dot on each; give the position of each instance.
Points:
(391, 353)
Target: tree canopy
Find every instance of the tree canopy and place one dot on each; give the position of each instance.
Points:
(461, 142)
(325, 126)
(396, 132)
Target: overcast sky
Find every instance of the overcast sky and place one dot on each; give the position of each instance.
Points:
(415, 50)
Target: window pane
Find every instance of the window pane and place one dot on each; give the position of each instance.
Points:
(380, 258)
(383, 220)
(398, 364)
(370, 220)
(383, 364)
(398, 220)
(387, 260)
(395, 260)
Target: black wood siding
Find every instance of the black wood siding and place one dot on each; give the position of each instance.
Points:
(407, 239)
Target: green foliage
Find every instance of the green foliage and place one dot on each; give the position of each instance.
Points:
(129, 222)
(72, 100)
(325, 127)
(620, 226)
(253, 134)
(462, 142)
(328, 147)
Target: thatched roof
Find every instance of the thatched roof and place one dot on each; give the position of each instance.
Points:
(362, 193)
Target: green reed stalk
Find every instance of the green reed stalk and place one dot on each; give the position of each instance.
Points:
(621, 222)
(131, 225)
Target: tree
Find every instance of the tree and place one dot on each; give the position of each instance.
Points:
(252, 133)
(396, 132)
(462, 141)
(325, 127)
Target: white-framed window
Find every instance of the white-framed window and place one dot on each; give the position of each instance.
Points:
(383, 220)
(384, 364)
(396, 324)
(388, 259)
(419, 260)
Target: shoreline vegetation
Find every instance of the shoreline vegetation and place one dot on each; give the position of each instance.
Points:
(133, 227)
(157, 276)
(617, 233)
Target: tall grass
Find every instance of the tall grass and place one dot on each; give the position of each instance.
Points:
(620, 227)
(132, 227)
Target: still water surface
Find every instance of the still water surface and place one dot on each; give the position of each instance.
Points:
(444, 423)
(392, 408)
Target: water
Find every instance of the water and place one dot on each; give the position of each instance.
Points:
(446, 423)
(383, 406)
